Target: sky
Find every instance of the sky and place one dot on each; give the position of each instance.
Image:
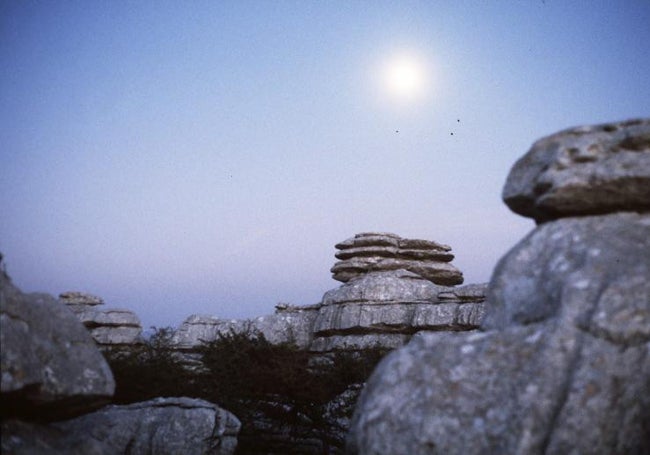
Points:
(181, 158)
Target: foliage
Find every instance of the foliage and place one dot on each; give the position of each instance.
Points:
(149, 370)
(251, 377)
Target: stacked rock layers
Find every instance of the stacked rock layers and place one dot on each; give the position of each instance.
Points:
(108, 327)
(385, 309)
(383, 252)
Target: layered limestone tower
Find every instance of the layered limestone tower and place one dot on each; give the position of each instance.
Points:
(394, 287)
(383, 252)
(109, 327)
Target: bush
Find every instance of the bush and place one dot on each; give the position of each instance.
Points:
(278, 384)
(149, 370)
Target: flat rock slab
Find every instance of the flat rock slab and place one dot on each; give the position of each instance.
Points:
(160, 426)
(580, 171)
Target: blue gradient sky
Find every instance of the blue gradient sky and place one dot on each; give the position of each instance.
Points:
(204, 157)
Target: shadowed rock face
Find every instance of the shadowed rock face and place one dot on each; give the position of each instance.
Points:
(51, 367)
(562, 364)
(581, 171)
(161, 426)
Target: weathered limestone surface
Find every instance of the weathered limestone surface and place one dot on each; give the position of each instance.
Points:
(563, 363)
(288, 325)
(570, 355)
(160, 426)
(385, 309)
(381, 252)
(108, 327)
(51, 367)
(584, 170)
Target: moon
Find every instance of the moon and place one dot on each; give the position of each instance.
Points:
(405, 78)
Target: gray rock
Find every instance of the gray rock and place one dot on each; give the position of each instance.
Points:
(384, 309)
(586, 170)
(589, 253)
(376, 252)
(364, 251)
(565, 369)
(50, 365)
(369, 239)
(468, 293)
(160, 426)
(287, 325)
(80, 298)
(124, 336)
(418, 244)
(110, 327)
(442, 273)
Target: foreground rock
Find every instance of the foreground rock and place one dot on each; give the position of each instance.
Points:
(160, 426)
(581, 171)
(382, 252)
(562, 366)
(51, 367)
(572, 302)
(108, 327)
(384, 309)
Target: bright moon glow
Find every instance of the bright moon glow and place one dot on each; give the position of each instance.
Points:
(405, 78)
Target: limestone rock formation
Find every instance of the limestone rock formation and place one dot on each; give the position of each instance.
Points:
(385, 309)
(109, 327)
(382, 252)
(581, 171)
(289, 324)
(561, 365)
(160, 426)
(51, 367)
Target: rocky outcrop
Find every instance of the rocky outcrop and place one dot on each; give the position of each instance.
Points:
(52, 370)
(289, 324)
(581, 171)
(390, 292)
(108, 327)
(51, 367)
(386, 308)
(383, 252)
(161, 426)
(561, 364)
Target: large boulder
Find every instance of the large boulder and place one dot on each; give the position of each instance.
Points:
(51, 367)
(585, 170)
(562, 363)
(385, 309)
(565, 371)
(160, 426)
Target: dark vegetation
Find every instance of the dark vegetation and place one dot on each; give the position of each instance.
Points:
(280, 388)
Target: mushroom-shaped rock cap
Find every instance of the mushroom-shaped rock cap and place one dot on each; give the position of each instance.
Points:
(587, 170)
(384, 252)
